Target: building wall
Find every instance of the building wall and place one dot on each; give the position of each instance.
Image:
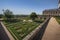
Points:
(51, 12)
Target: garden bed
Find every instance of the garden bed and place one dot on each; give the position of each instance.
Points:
(20, 29)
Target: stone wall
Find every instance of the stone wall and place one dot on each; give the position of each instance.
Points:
(4, 33)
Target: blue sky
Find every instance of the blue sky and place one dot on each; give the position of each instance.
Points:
(27, 6)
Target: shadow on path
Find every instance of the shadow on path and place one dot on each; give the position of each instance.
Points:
(39, 35)
(3, 35)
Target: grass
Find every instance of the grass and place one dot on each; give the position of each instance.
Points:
(21, 29)
(58, 19)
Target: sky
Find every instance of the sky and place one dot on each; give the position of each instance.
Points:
(26, 7)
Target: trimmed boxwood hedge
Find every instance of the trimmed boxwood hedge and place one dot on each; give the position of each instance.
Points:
(20, 28)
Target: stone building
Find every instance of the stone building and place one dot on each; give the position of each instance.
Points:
(52, 12)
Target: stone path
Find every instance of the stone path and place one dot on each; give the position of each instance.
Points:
(52, 31)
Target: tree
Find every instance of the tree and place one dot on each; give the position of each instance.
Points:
(1, 15)
(8, 14)
(33, 15)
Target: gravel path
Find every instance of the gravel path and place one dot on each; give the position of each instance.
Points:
(52, 31)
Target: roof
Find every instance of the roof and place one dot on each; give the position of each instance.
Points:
(52, 10)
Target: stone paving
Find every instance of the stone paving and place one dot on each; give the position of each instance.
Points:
(52, 31)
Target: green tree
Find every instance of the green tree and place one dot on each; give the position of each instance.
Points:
(8, 14)
(33, 15)
(1, 15)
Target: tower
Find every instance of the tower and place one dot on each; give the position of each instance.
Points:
(59, 4)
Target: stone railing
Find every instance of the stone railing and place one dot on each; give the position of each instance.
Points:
(38, 32)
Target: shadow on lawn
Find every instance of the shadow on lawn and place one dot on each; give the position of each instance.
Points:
(38, 21)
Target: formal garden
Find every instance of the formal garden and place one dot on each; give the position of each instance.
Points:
(22, 26)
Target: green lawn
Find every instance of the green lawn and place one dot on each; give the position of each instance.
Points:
(58, 19)
(20, 29)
